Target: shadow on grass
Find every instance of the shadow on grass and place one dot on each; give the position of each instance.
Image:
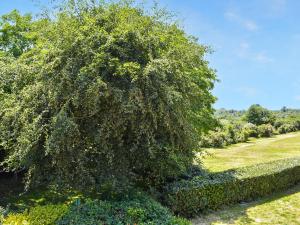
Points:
(239, 212)
(12, 194)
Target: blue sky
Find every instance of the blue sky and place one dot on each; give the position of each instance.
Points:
(256, 46)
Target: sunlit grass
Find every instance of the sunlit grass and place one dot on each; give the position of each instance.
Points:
(253, 152)
(282, 208)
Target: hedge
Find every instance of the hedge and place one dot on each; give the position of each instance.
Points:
(210, 191)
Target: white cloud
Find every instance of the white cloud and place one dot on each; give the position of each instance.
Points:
(246, 23)
(262, 58)
(244, 51)
(297, 98)
(250, 25)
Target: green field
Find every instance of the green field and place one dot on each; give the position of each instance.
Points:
(282, 208)
(253, 152)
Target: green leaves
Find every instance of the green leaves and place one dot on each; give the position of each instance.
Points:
(108, 94)
(211, 191)
(15, 35)
(259, 115)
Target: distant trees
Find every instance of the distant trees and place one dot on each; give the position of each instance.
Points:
(258, 115)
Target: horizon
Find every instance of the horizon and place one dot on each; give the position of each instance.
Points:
(252, 65)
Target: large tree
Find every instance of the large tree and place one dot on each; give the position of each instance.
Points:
(109, 92)
(258, 115)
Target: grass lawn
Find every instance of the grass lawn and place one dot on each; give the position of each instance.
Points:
(253, 152)
(282, 208)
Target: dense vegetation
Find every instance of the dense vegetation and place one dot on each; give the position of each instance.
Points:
(238, 126)
(105, 94)
(210, 191)
(103, 98)
(136, 209)
(114, 102)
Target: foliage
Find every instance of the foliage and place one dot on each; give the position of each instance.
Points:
(235, 129)
(15, 35)
(251, 130)
(2, 212)
(108, 93)
(189, 197)
(266, 130)
(279, 208)
(286, 128)
(225, 135)
(258, 115)
(46, 215)
(138, 210)
(135, 209)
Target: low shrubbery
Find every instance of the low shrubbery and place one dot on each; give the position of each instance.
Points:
(46, 215)
(210, 191)
(289, 126)
(266, 130)
(2, 212)
(136, 209)
(139, 210)
(224, 135)
(238, 126)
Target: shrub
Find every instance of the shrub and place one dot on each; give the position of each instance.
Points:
(2, 212)
(46, 215)
(225, 135)
(296, 124)
(286, 128)
(210, 191)
(278, 123)
(109, 93)
(266, 130)
(214, 139)
(132, 208)
(138, 210)
(251, 130)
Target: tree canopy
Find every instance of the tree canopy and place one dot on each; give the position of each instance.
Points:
(15, 33)
(104, 94)
(258, 115)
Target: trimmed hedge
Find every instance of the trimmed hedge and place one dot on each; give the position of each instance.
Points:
(210, 191)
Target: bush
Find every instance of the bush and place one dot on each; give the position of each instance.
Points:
(141, 210)
(278, 123)
(135, 208)
(214, 139)
(266, 130)
(225, 135)
(251, 130)
(296, 124)
(46, 215)
(110, 93)
(2, 212)
(286, 128)
(189, 197)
